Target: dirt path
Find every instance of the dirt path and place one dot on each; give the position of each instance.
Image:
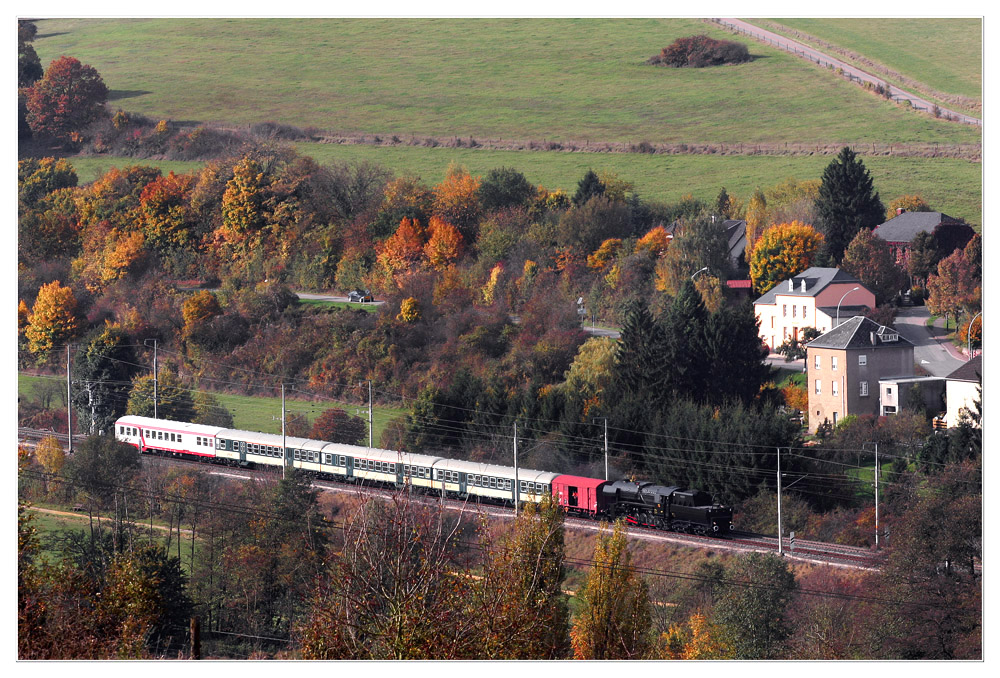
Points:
(853, 72)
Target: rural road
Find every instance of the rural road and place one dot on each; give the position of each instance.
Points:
(855, 73)
(932, 351)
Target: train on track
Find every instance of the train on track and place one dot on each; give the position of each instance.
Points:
(640, 503)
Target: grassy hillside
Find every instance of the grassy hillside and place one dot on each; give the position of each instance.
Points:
(553, 79)
(944, 54)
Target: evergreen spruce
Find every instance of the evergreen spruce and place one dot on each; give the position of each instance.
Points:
(847, 203)
(587, 188)
(685, 357)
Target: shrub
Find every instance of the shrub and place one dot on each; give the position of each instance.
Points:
(698, 51)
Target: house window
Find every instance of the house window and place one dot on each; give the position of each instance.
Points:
(888, 391)
(794, 309)
(817, 363)
(833, 362)
(819, 387)
(784, 310)
(803, 311)
(862, 360)
(864, 388)
(836, 387)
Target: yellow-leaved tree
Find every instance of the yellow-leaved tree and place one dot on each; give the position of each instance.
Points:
(783, 251)
(614, 618)
(53, 319)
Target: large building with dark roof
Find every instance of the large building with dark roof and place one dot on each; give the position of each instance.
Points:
(844, 366)
(900, 231)
(810, 299)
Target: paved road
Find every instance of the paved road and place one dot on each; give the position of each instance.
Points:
(933, 352)
(854, 72)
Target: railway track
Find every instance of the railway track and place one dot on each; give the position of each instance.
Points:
(802, 550)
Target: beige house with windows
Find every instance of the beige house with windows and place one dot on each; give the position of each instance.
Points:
(810, 299)
(844, 366)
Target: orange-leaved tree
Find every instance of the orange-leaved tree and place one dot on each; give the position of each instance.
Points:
(655, 242)
(456, 200)
(444, 244)
(781, 252)
(402, 251)
(605, 254)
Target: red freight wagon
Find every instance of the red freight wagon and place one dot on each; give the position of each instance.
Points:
(578, 495)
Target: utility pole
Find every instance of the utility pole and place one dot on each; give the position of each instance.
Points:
(876, 495)
(69, 403)
(156, 378)
(517, 488)
(284, 449)
(371, 429)
(605, 445)
(779, 502)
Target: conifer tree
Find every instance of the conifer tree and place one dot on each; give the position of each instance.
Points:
(735, 359)
(684, 352)
(847, 203)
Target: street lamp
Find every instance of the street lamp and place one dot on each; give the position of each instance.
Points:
(970, 332)
(842, 301)
(703, 268)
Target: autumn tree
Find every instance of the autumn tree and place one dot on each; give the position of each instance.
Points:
(444, 244)
(69, 97)
(397, 592)
(614, 617)
(753, 608)
(696, 244)
(521, 609)
(402, 251)
(53, 320)
(931, 569)
(654, 242)
(907, 203)
(955, 289)
(102, 466)
(198, 310)
(337, 426)
(173, 401)
(783, 251)
(870, 259)
(697, 638)
(792, 200)
(602, 257)
(36, 178)
(456, 201)
(847, 203)
(168, 222)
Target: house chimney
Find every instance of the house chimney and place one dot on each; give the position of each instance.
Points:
(900, 210)
(874, 340)
(803, 284)
(791, 285)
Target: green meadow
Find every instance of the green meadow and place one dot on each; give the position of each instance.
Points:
(944, 54)
(532, 79)
(250, 413)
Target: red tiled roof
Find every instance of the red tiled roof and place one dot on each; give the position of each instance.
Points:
(738, 284)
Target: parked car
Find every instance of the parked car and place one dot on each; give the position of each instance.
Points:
(362, 296)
